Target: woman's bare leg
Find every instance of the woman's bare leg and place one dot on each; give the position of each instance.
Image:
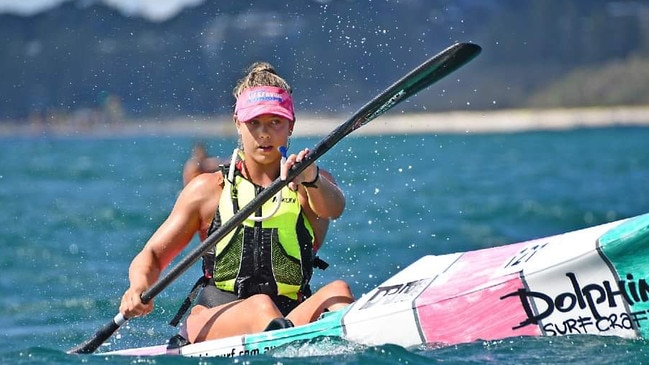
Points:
(333, 296)
(237, 318)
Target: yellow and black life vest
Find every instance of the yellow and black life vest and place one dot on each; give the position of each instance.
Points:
(274, 256)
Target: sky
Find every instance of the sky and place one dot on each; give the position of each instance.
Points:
(154, 10)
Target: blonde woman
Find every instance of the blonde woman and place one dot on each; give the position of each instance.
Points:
(257, 277)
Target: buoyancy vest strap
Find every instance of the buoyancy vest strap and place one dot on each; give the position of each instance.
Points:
(320, 263)
(200, 284)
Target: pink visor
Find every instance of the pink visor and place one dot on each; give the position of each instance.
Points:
(259, 100)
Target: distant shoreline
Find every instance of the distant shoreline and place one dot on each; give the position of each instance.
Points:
(497, 121)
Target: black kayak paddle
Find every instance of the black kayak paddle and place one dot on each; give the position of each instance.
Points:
(429, 72)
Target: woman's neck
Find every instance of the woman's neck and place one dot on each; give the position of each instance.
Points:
(262, 175)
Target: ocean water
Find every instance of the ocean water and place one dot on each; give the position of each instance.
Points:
(75, 210)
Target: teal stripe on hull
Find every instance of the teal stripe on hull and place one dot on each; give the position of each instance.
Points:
(329, 325)
(627, 249)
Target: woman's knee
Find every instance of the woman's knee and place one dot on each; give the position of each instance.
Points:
(339, 288)
(197, 309)
(262, 303)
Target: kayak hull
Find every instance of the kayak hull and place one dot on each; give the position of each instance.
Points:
(590, 281)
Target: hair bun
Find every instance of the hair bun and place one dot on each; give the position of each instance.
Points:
(260, 74)
(261, 67)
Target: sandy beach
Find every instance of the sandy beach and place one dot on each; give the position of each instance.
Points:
(513, 120)
(488, 121)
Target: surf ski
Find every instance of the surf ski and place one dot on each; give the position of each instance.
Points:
(590, 281)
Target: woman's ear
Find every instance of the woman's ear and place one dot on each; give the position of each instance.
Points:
(291, 125)
(237, 125)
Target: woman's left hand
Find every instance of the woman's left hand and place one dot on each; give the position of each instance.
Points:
(309, 174)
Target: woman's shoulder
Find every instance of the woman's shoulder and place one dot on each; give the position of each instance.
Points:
(211, 178)
(208, 182)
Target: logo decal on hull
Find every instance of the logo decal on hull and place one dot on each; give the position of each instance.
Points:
(397, 293)
(593, 297)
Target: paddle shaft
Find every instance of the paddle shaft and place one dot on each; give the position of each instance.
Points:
(421, 77)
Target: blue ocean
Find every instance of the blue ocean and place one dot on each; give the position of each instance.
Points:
(75, 210)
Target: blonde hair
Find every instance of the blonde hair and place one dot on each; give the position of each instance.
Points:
(260, 74)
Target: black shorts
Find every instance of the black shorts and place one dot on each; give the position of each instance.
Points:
(211, 296)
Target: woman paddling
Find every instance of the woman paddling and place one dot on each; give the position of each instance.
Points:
(258, 275)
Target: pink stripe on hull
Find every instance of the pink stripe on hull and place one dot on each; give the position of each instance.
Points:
(452, 310)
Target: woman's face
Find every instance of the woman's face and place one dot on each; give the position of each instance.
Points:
(263, 135)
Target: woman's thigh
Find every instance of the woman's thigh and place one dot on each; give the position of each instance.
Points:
(240, 317)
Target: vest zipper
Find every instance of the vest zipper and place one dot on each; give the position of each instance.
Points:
(257, 241)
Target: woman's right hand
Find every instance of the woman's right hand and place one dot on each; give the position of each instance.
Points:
(132, 305)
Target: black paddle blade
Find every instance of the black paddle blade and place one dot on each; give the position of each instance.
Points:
(100, 336)
(426, 74)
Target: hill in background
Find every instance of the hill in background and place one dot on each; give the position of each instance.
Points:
(84, 56)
